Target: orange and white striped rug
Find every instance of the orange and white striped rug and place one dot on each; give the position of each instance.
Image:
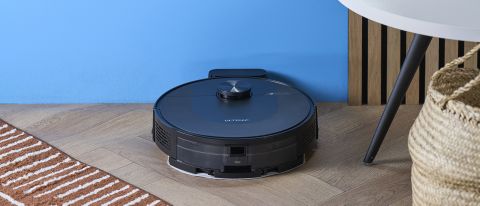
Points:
(33, 172)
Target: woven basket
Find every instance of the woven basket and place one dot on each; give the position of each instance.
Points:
(444, 142)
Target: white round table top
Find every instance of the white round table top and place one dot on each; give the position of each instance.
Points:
(450, 19)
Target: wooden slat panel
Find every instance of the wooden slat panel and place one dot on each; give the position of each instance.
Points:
(451, 50)
(393, 57)
(431, 61)
(374, 63)
(471, 63)
(355, 59)
(412, 96)
(369, 86)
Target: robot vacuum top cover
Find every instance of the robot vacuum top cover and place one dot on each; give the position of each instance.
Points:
(230, 108)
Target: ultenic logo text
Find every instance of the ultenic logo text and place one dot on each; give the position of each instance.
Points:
(236, 120)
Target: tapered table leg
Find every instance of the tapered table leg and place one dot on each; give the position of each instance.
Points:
(414, 57)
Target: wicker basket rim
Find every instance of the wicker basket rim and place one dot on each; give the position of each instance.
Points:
(467, 113)
(452, 66)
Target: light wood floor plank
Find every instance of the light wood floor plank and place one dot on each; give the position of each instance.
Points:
(25, 116)
(394, 187)
(136, 173)
(104, 159)
(179, 194)
(406, 201)
(302, 187)
(76, 121)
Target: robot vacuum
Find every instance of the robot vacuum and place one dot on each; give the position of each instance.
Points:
(235, 124)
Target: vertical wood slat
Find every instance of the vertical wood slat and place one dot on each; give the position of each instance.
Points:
(431, 61)
(473, 62)
(393, 57)
(451, 50)
(374, 63)
(354, 59)
(412, 96)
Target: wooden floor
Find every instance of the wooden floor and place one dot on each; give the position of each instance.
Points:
(116, 138)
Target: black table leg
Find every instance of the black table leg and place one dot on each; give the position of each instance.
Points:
(414, 57)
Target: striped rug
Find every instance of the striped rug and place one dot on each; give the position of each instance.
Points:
(33, 172)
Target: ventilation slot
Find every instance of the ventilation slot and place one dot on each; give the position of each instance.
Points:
(237, 169)
(161, 136)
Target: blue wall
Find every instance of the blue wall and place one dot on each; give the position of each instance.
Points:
(88, 51)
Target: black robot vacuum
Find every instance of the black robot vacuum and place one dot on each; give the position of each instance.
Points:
(235, 124)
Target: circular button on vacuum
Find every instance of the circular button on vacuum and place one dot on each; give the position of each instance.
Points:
(234, 90)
